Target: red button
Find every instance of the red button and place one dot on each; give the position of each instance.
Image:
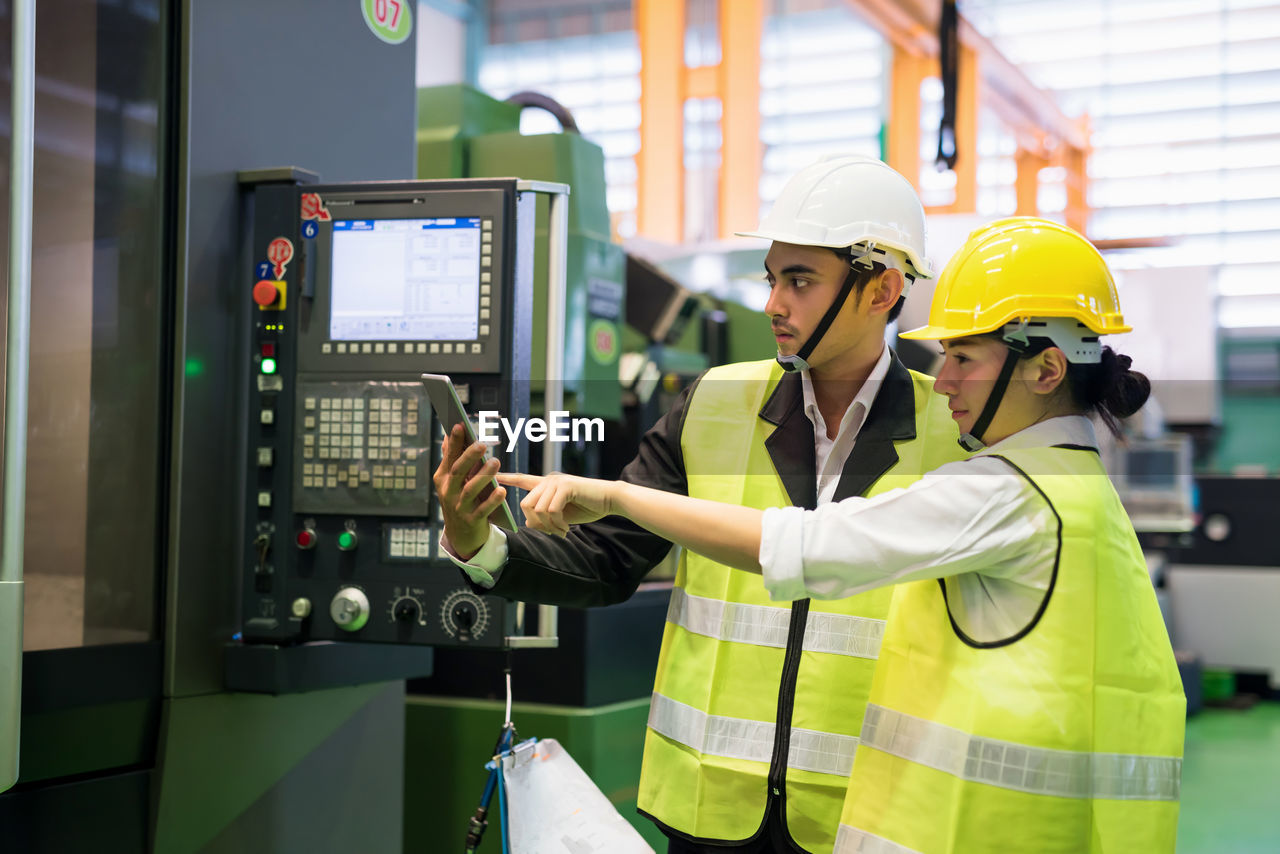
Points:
(265, 293)
(306, 538)
(268, 349)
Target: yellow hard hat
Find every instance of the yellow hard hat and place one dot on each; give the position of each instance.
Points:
(1021, 268)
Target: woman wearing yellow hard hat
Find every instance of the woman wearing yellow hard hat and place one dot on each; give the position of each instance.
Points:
(1026, 696)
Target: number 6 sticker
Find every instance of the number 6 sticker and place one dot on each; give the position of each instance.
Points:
(389, 20)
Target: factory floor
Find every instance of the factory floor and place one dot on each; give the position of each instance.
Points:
(1230, 781)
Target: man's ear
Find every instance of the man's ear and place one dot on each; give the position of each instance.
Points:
(1050, 371)
(885, 290)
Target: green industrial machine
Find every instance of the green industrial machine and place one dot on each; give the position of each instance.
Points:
(463, 133)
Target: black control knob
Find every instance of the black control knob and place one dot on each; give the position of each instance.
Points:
(464, 617)
(407, 611)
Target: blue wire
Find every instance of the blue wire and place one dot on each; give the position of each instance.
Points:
(502, 808)
(488, 789)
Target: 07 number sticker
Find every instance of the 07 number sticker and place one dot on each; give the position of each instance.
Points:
(389, 20)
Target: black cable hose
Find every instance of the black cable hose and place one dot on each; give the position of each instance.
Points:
(551, 105)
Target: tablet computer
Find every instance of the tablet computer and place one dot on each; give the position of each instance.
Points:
(449, 412)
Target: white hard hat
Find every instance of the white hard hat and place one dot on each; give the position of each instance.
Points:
(845, 200)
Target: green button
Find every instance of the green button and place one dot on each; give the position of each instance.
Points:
(346, 540)
(268, 366)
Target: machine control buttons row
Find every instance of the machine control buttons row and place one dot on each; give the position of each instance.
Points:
(350, 403)
(306, 538)
(408, 542)
(422, 349)
(336, 476)
(359, 430)
(359, 452)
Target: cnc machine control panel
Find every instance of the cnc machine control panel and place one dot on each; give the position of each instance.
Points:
(355, 291)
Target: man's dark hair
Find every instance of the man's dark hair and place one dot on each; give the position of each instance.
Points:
(864, 277)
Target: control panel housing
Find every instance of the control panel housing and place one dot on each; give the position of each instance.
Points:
(354, 291)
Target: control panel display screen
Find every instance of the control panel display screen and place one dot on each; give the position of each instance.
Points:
(405, 279)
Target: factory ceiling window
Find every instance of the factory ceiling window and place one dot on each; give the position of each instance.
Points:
(586, 56)
(1184, 102)
(822, 88)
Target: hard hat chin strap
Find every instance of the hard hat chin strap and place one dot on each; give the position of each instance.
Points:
(800, 361)
(1017, 343)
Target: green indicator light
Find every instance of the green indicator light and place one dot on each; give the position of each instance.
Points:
(346, 540)
(194, 367)
(268, 366)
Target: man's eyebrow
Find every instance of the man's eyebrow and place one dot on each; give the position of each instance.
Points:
(793, 270)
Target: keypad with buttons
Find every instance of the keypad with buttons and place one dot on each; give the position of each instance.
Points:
(406, 542)
(363, 445)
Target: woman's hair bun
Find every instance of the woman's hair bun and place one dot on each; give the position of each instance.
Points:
(1121, 390)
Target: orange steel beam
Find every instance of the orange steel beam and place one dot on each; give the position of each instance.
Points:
(741, 28)
(1027, 184)
(913, 26)
(1077, 212)
(660, 26)
(1024, 105)
(702, 82)
(912, 29)
(902, 136)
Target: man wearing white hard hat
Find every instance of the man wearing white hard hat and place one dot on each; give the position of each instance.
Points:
(757, 705)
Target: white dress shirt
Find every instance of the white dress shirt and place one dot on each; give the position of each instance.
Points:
(978, 522)
(830, 454)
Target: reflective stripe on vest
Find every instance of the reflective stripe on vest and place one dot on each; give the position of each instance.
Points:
(851, 840)
(1036, 770)
(763, 625)
(738, 738)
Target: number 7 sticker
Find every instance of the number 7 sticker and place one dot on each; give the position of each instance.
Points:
(389, 20)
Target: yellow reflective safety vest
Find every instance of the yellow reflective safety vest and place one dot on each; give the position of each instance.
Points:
(734, 664)
(1065, 738)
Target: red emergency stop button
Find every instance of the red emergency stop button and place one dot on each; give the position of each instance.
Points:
(265, 293)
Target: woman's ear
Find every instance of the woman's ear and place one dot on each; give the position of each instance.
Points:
(1049, 371)
(885, 290)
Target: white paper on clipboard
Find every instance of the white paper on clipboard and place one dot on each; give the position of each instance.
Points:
(554, 808)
